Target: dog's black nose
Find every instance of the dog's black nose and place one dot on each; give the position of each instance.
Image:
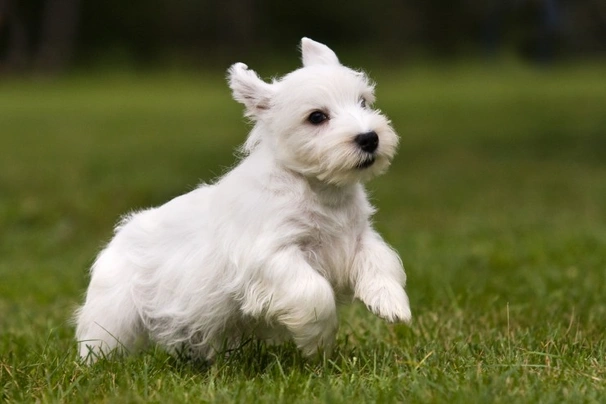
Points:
(368, 141)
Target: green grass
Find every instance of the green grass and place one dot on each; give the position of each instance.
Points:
(496, 202)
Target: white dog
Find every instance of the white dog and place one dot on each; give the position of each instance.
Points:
(271, 247)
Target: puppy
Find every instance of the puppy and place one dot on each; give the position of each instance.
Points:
(271, 247)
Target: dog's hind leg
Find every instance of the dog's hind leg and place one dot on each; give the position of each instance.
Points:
(109, 321)
(107, 325)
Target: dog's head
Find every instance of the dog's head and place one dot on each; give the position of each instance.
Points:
(317, 120)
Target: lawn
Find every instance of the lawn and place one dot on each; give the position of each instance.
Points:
(496, 203)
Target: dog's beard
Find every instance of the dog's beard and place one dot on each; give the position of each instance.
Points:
(359, 169)
(366, 161)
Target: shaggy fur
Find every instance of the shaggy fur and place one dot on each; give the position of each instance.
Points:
(270, 248)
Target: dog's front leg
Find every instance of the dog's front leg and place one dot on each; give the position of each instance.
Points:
(379, 278)
(295, 295)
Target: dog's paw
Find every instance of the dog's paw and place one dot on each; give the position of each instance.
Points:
(390, 302)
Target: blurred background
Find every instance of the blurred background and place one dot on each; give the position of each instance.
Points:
(56, 35)
(496, 200)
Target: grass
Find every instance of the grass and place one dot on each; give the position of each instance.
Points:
(496, 202)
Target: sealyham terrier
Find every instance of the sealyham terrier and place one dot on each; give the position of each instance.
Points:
(270, 248)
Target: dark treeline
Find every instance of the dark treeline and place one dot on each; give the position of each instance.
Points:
(52, 35)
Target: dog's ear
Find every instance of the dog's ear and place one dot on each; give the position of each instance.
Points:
(249, 89)
(316, 53)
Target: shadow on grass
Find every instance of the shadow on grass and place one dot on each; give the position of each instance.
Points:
(256, 358)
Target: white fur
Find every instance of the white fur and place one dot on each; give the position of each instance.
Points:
(271, 247)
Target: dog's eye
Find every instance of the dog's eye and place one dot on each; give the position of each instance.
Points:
(317, 117)
(363, 102)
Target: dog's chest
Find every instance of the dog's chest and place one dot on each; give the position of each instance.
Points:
(329, 240)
